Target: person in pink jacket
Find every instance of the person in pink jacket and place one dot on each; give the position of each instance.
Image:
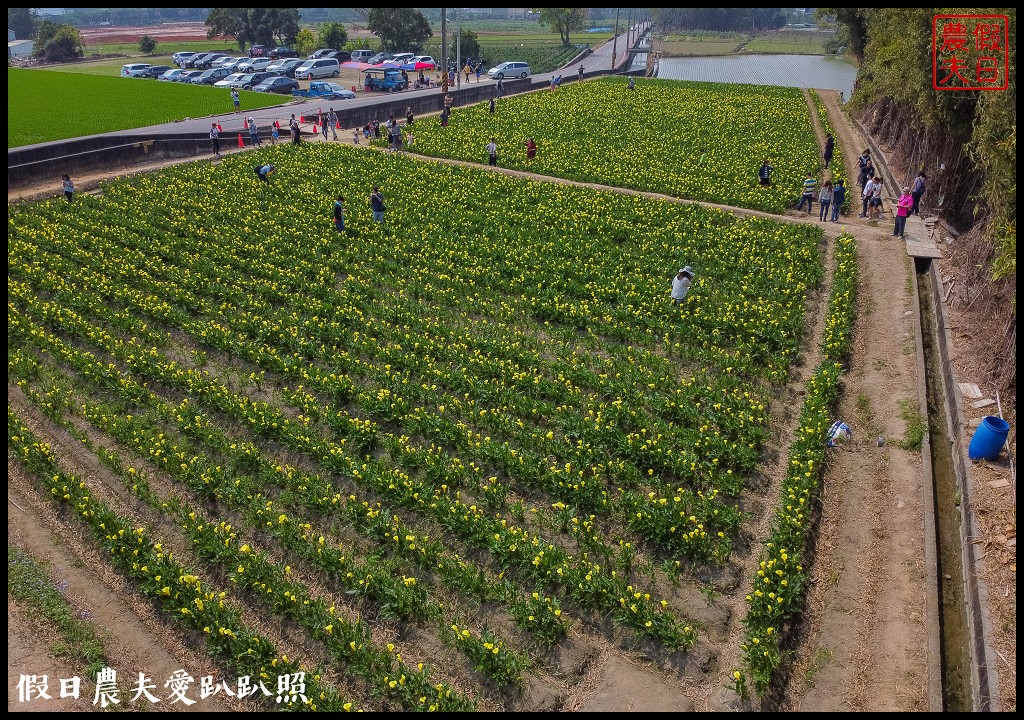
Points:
(903, 207)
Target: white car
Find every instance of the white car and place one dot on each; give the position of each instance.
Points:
(171, 75)
(179, 57)
(226, 61)
(509, 70)
(402, 58)
(134, 69)
(422, 59)
(226, 82)
(255, 64)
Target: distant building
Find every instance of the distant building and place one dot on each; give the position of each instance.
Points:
(19, 48)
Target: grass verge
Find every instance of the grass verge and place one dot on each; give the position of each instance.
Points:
(46, 605)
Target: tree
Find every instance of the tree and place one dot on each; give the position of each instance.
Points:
(57, 43)
(147, 45)
(333, 35)
(564, 21)
(305, 42)
(399, 28)
(254, 26)
(23, 22)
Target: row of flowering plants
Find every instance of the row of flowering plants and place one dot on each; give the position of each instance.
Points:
(491, 390)
(779, 588)
(838, 165)
(700, 141)
(181, 594)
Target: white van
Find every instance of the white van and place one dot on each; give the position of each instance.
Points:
(315, 69)
(134, 69)
(509, 70)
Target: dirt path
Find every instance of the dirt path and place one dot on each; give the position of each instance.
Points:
(865, 648)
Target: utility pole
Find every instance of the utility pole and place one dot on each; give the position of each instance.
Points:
(458, 49)
(615, 38)
(444, 40)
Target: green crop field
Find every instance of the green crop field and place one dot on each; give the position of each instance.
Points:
(111, 67)
(439, 462)
(44, 105)
(796, 42)
(650, 139)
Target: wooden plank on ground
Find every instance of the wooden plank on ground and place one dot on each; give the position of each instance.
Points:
(983, 403)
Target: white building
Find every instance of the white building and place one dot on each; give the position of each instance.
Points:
(19, 48)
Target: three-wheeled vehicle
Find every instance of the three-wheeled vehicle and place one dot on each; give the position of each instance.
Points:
(383, 79)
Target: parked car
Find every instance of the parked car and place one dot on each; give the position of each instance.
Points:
(259, 51)
(284, 68)
(153, 72)
(279, 53)
(133, 69)
(180, 57)
(190, 63)
(207, 62)
(226, 82)
(314, 69)
(277, 84)
(422, 59)
(321, 52)
(509, 70)
(238, 65)
(362, 55)
(227, 61)
(209, 77)
(402, 58)
(325, 91)
(255, 65)
(187, 75)
(380, 58)
(247, 81)
(171, 75)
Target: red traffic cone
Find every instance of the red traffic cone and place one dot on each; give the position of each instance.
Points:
(277, 124)
(240, 143)
(337, 124)
(245, 123)
(316, 128)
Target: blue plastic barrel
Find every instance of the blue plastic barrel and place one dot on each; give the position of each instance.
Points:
(988, 438)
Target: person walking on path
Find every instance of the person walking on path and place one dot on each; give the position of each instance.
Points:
(824, 200)
(332, 120)
(409, 119)
(531, 149)
(479, 70)
(500, 87)
(764, 173)
(396, 137)
(264, 172)
(377, 205)
(830, 146)
(865, 196)
(293, 125)
(903, 207)
(215, 139)
(322, 122)
(490, 106)
(808, 193)
(875, 206)
(275, 133)
(917, 192)
(580, 71)
(69, 188)
(838, 196)
(235, 99)
(492, 153)
(467, 70)
(339, 213)
(681, 284)
(254, 133)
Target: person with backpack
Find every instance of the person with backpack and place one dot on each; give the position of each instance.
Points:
(377, 205)
(263, 172)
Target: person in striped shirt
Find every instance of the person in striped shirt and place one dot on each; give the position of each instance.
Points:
(808, 195)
